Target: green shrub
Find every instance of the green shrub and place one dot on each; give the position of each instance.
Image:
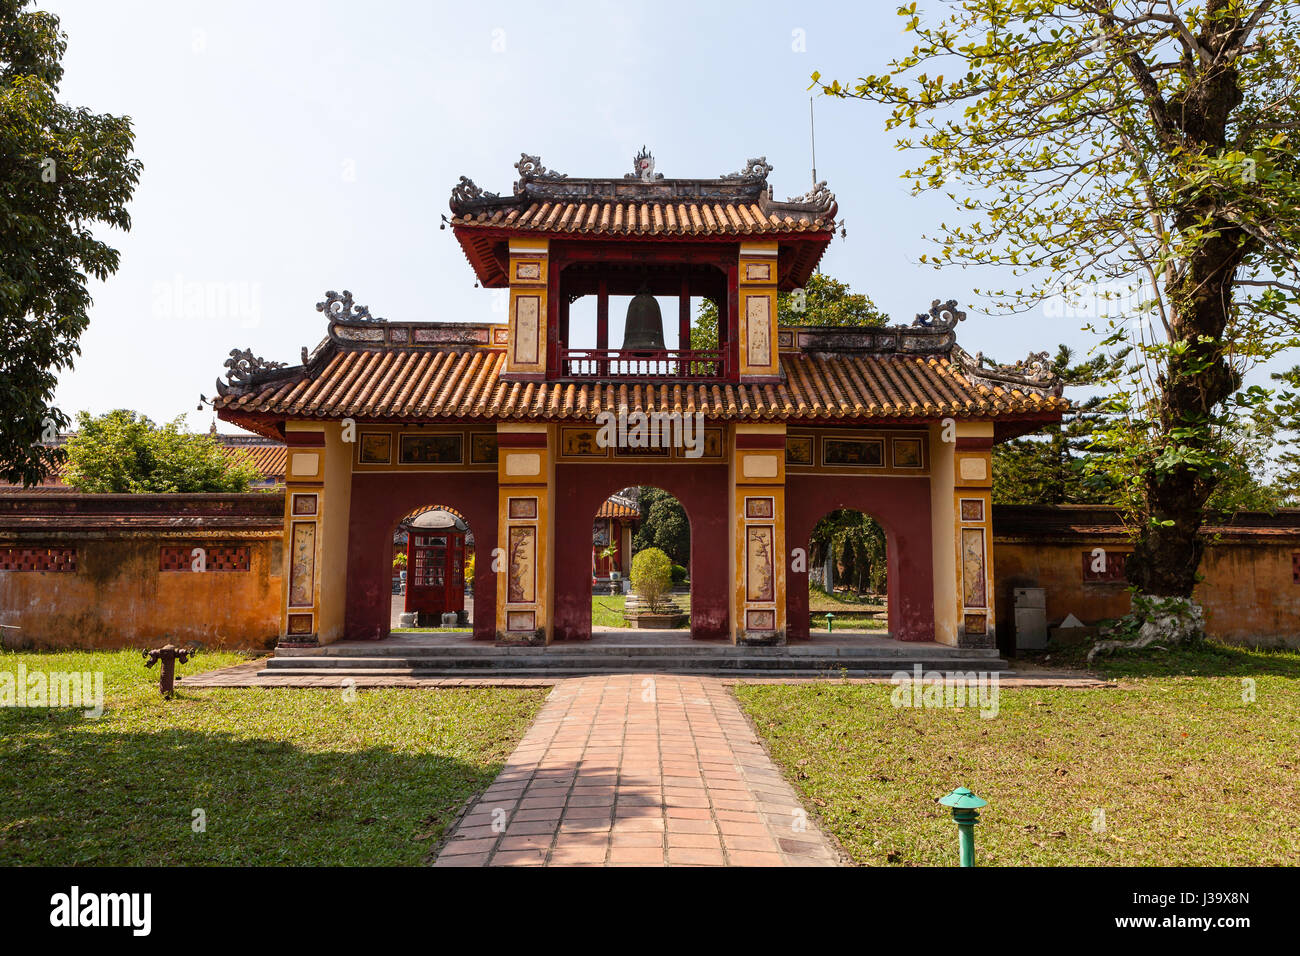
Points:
(652, 576)
(679, 574)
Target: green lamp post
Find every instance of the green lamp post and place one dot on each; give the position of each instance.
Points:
(830, 622)
(965, 806)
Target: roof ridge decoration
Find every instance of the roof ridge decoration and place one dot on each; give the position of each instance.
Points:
(531, 169)
(754, 171)
(1034, 373)
(467, 191)
(538, 185)
(243, 369)
(643, 167)
(339, 308)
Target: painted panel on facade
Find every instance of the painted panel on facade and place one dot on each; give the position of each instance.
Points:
(859, 451)
(758, 271)
(523, 508)
(1103, 566)
(521, 585)
(758, 508)
(972, 567)
(302, 564)
(799, 450)
(907, 453)
(972, 509)
(975, 624)
(528, 310)
(483, 448)
(581, 443)
(299, 623)
(760, 583)
(432, 449)
(521, 621)
(757, 319)
(304, 505)
(375, 448)
(760, 620)
(528, 270)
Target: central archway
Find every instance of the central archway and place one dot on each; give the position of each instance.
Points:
(379, 502)
(702, 491)
(902, 508)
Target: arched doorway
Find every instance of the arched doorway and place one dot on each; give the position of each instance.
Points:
(847, 575)
(436, 549)
(902, 507)
(703, 491)
(379, 504)
(626, 526)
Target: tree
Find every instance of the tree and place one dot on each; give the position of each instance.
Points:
(822, 301)
(1126, 149)
(664, 525)
(62, 169)
(122, 452)
(1051, 468)
(856, 543)
(652, 577)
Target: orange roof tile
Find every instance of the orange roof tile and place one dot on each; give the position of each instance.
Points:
(428, 384)
(614, 509)
(729, 218)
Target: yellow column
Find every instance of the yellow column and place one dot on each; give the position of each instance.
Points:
(757, 301)
(524, 560)
(961, 479)
(526, 353)
(318, 494)
(757, 514)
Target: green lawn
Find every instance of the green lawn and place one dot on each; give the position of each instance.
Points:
(607, 610)
(1186, 772)
(284, 776)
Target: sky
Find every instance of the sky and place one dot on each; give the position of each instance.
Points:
(291, 148)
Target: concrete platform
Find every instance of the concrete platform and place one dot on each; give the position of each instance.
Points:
(430, 655)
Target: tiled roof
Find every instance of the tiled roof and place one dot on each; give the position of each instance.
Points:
(695, 218)
(269, 460)
(614, 509)
(427, 384)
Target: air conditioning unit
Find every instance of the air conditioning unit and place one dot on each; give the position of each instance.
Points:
(1031, 618)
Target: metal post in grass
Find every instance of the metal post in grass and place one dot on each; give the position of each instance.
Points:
(830, 622)
(965, 806)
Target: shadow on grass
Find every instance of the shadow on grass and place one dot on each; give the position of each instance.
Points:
(1201, 659)
(75, 794)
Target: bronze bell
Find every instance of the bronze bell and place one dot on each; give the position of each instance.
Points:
(644, 328)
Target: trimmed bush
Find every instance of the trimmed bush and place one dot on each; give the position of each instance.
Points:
(652, 576)
(679, 574)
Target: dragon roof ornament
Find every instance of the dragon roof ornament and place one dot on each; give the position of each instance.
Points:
(531, 169)
(244, 368)
(755, 171)
(1034, 373)
(339, 308)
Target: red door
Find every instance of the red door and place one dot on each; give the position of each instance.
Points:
(435, 580)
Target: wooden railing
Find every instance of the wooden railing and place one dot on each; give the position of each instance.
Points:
(669, 364)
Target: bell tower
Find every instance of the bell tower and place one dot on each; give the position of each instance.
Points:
(724, 241)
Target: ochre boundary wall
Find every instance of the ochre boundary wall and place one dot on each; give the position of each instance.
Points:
(116, 593)
(1251, 570)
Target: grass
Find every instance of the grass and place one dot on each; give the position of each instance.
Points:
(1185, 770)
(284, 776)
(848, 609)
(607, 610)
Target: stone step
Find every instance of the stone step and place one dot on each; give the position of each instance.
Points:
(543, 663)
(380, 652)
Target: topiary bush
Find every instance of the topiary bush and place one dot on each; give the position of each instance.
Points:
(652, 576)
(679, 574)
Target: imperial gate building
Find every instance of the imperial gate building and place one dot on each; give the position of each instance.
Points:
(501, 422)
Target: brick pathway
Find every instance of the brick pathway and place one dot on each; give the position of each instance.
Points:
(647, 770)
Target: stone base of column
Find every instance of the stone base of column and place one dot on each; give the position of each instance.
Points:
(760, 638)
